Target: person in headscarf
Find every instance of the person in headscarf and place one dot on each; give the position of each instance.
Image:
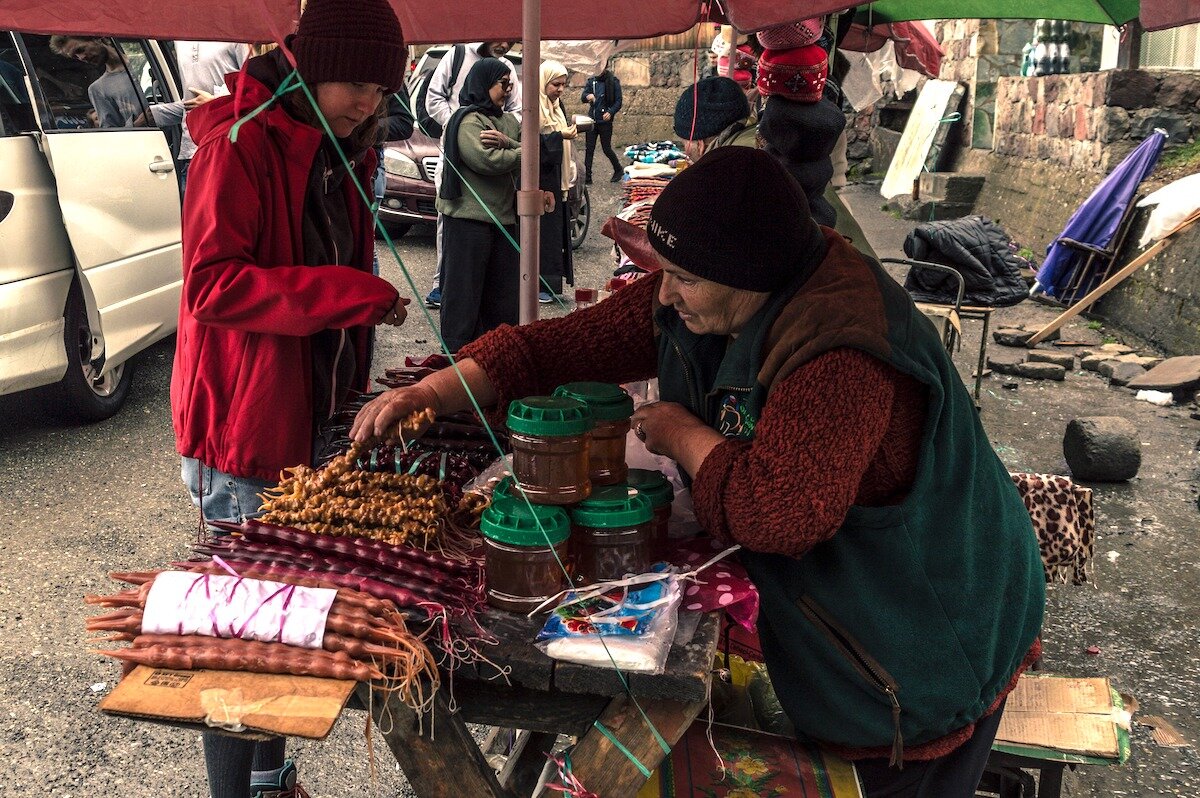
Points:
(480, 172)
(556, 173)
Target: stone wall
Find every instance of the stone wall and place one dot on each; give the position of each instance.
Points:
(1056, 138)
(979, 53)
(650, 86)
(1091, 121)
(1161, 301)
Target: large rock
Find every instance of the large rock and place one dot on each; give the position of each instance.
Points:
(1122, 373)
(1030, 371)
(1102, 449)
(1066, 360)
(1011, 336)
(1172, 373)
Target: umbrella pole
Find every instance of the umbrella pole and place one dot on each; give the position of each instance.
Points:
(529, 198)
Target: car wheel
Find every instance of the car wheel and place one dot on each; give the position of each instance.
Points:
(581, 220)
(85, 395)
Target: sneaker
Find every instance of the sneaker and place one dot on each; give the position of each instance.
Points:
(545, 298)
(280, 783)
(616, 178)
(434, 298)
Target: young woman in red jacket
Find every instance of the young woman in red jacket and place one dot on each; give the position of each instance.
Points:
(279, 300)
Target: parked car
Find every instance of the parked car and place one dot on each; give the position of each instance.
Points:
(90, 255)
(410, 165)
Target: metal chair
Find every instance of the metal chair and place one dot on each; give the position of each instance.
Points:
(945, 316)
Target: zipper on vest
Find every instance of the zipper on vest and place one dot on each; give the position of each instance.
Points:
(867, 666)
(687, 375)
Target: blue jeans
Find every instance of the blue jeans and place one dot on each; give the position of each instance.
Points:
(229, 760)
(221, 496)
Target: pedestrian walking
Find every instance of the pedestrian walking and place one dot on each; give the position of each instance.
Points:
(602, 93)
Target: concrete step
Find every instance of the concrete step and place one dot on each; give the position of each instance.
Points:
(949, 187)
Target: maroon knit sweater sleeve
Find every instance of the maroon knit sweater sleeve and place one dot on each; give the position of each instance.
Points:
(791, 487)
(612, 341)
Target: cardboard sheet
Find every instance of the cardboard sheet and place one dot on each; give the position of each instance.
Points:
(924, 135)
(1062, 714)
(298, 706)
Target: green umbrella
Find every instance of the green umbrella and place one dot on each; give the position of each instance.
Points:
(1107, 12)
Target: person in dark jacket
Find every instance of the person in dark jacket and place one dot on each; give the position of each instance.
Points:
(555, 172)
(822, 427)
(278, 298)
(602, 94)
(477, 200)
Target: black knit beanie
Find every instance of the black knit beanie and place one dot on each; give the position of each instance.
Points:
(717, 103)
(352, 41)
(738, 219)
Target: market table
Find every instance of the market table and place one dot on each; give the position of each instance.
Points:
(544, 699)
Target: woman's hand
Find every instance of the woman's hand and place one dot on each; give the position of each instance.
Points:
(670, 429)
(547, 202)
(380, 418)
(397, 313)
(570, 134)
(495, 140)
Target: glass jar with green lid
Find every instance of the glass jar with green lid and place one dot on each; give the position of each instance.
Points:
(522, 551)
(611, 408)
(658, 489)
(610, 534)
(551, 440)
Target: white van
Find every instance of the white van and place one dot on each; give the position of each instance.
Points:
(90, 257)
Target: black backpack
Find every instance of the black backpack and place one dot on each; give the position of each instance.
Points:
(425, 122)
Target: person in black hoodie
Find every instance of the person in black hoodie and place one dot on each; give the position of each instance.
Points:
(602, 94)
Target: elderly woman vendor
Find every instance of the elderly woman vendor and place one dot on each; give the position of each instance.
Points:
(824, 428)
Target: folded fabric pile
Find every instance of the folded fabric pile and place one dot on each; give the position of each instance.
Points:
(654, 152)
(643, 188)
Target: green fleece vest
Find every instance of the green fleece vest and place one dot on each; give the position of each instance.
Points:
(908, 622)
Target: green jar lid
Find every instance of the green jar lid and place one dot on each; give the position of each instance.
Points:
(550, 416)
(654, 484)
(509, 520)
(608, 402)
(613, 506)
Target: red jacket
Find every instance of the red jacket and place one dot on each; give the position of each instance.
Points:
(241, 391)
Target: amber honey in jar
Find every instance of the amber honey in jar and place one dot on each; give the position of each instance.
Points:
(610, 534)
(611, 408)
(523, 548)
(551, 440)
(655, 486)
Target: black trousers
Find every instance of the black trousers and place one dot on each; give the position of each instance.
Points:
(556, 261)
(604, 131)
(955, 775)
(482, 280)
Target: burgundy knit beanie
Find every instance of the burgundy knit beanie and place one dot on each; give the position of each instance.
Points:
(351, 41)
(738, 219)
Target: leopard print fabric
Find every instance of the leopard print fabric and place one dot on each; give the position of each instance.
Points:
(1064, 523)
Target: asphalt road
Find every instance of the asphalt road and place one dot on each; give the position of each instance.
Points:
(78, 502)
